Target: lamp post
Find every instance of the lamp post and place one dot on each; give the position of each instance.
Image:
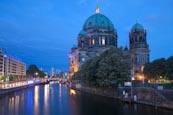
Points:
(142, 70)
(36, 73)
(132, 78)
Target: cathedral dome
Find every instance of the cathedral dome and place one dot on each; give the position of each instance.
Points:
(138, 26)
(82, 32)
(98, 21)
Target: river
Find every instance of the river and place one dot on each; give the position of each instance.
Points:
(57, 99)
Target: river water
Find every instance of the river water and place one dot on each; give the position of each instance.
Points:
(57, 99)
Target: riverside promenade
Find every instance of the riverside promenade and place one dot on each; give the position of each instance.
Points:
(8, 87)
(147, 96)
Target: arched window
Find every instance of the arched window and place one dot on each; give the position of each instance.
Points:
(93, 41)
(90, 41)
(141, 39)
(100, 42)
(82, 44)
(103, 40)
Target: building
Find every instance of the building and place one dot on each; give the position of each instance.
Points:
(64, 75)
(14, 67)
(11, 66)
(73, 61)
(1, 61)
(98, 34)
(52, 72)
(139, 48)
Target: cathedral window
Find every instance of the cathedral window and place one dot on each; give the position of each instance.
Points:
(140, 39)
(93, 41)
(103, 40)
(136, 38)
(100, 42)
(83, 59)
(90, 41)
(82, 44)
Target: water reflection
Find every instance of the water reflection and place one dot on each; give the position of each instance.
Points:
(60, 91)
(57, 99)
(36, 99)
(46, 99)
(72, 92)
(28, 97)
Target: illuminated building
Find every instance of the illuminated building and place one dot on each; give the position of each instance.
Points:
(11, 66)
(14, 67)
(139, 48)
(73, 61)
(98, 34)
(1, 61)
(52, 72)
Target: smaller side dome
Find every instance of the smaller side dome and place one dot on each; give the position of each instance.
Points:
(82, 32)
(137, 27)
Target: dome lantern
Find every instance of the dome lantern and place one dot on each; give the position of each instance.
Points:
(97, 8)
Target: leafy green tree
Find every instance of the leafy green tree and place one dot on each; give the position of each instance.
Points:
(3, 78)
(159, 67)
(169, 68)
(11, 77)
(111, 67)
(155, 69)
(32, 70)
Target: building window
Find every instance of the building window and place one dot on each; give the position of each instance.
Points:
(100, 42)
(82, 44)
(83, 59)
(93, 41)
(103, 41)
(90, 41)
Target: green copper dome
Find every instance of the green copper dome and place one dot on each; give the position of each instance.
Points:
(82, 32)
(98, 21)
(137, 26)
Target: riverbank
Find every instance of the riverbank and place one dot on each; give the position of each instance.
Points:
(147, 96)
(4, 91)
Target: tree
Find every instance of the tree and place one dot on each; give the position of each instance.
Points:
(159, 67)
(111, 67)
(32, 70)
(169, 68)
(11, 77)
(3, 78)
(155, 69)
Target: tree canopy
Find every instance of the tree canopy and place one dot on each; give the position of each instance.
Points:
(159, 67)
(33, 71)
(111, 67)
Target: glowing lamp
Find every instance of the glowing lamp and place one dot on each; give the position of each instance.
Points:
(30, 82)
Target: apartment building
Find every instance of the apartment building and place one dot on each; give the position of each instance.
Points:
(11, 66)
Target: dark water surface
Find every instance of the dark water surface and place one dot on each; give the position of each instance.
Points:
(56, 99)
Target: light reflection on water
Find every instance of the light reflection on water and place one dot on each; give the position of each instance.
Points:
(36, 100)
(46, 98)
(72, 92)
(57, 99)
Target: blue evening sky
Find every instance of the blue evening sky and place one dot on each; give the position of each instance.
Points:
(42, 32)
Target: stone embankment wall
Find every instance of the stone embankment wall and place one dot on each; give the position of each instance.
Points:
(147, 96)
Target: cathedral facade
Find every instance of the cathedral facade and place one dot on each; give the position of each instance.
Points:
(98, 34)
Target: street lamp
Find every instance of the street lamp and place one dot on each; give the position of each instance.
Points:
(36, 73)
(142, 70)
(132, 78)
